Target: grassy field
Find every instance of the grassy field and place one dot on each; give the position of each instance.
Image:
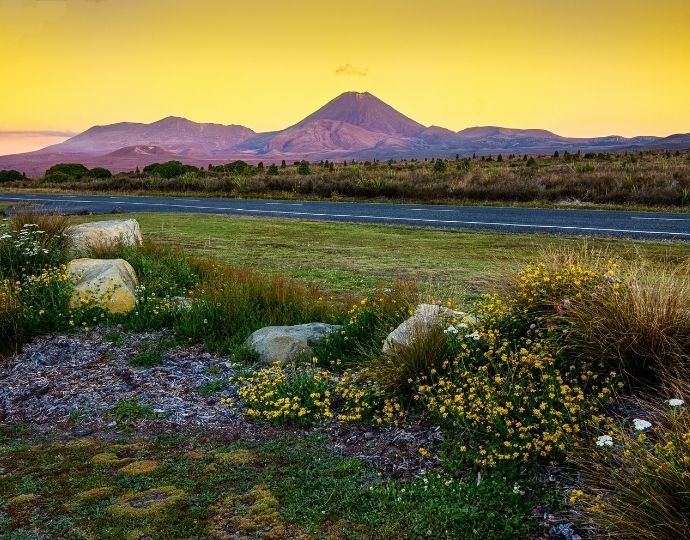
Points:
(356, 257)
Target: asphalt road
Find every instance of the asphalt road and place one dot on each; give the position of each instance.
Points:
(649, 225)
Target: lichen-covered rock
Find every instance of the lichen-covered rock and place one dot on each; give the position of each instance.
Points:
(424, 317)
(104, 234)
(108, 283)
(287, 343)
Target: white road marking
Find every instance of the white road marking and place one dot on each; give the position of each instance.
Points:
(429, 210)
(380, 218)
(661, 218)
(284, 204)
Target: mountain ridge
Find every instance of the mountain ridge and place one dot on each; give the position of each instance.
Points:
(353, 125)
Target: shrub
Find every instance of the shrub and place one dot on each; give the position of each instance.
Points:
(280, 395)
(169, 169)
(237, 167)
(99, 172)
(370, 321)
(303, 168)
(503, 399)
(440, 166)
(358, 398)
(44, 300)
(26, 248)
(10, 176)
(636, 482)
(69, 170)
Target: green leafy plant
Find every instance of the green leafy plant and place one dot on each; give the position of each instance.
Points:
(146, 359)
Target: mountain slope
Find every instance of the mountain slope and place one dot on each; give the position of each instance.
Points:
(172, 133)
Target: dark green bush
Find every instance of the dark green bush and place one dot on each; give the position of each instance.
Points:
(169, 169)
(100, 172)
(70, 170)
(10, 176)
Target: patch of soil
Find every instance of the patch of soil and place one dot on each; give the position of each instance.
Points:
(68, 385)
(71, 382)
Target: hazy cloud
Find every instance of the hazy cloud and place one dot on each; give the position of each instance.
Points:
(349, 69)
(44, 133)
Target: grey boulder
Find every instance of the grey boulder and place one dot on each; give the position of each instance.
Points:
(286, 343)
(424, 317)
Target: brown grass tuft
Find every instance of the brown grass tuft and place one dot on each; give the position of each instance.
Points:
(639, 488)
(641, 329)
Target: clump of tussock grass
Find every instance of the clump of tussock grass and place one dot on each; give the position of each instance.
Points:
(641, 328)
(398, 371)
(51, 223)
(638, 487)
(231, 303)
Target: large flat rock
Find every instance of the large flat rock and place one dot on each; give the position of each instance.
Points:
(104, 234)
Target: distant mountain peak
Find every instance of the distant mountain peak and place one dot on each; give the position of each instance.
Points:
(365, 110)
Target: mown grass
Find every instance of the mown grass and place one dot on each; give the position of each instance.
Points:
(294, 486)
(358, 257)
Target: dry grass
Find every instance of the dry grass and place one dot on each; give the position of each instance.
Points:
(11, 328)
(649, 178)
(52, 223)
(397, 372)
(234, 302)
(639, 489)
(642, 329)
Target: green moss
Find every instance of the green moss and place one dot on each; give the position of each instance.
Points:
(253, 512)
(96, 493)
(143, 467)
(238, 456)
(22, 501)
(150, 504)
(109, 458)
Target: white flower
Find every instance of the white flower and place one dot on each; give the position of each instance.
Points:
(641, 425)
(605, 440)
(676, 402)
(451, 330)
(474, 335)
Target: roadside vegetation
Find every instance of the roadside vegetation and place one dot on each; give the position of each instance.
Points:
(560, 389)
(636, 178)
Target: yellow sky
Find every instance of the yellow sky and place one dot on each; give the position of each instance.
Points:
(579, 68)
